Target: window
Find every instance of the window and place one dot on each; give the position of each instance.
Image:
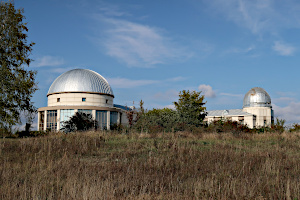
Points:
(101, 117)
(113, 118)
(83, 99)
(52, 120)
(42, 118)
(87, 112)
(58, 99)
(106, 100)
(65, 115)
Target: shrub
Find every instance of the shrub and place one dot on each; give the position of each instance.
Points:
(31, 133)
(278, 126)
(233, 127)
(158, 120)
(295, 128)
(79, 122)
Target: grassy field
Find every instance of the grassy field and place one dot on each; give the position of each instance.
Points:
(163, 166)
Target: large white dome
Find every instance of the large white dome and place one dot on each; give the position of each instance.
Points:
(257, 97)
(80, 80)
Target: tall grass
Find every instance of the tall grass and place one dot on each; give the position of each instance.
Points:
(165, 166)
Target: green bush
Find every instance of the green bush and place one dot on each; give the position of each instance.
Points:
(158, 120)
(79, 122)
(22, 134)
(295, 128)
(233, 127)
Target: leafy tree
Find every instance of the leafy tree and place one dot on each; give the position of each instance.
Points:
(164, 119)
(79, 122)
(17, 83)
(190, 107)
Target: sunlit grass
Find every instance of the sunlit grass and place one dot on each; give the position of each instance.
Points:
(164, 166)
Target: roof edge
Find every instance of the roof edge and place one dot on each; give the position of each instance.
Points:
(82, 92)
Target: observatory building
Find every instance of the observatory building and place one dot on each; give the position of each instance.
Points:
(257, 110)
(80, 90)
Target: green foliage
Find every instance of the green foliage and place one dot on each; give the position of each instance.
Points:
(79, 122)
(295, 128)
(156, 120)
(190, 107)
(159, 120)
(131, 116)
(31, 133)
(228, 126)
(17, 83)
(278, 126)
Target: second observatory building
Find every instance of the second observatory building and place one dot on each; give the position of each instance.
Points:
(257, 110)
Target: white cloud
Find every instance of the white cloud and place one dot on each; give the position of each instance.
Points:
(48, 61)
(61, 70)
(128, 83)
(207, 90)
(119, 82)
(259, 16)
(291, 112)
(134, 43)
(283, 49)
(253, 15)
(112, 10)
(139, 45)
(171, 106)
(176, 79)
(232, 95)
(240, 50)
(284, 100)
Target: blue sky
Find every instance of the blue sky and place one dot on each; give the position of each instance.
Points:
(151, 50)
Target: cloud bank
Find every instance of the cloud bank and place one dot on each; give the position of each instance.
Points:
(291, 112)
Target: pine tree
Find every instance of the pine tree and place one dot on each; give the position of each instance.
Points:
(190, 107)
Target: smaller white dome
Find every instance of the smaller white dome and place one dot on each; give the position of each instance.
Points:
(257, 97)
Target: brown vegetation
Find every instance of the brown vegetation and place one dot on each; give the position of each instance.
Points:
(182, 165)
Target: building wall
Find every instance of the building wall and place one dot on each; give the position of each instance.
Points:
(71, 99)
(263, 115)
(248, 120)
(48, 120)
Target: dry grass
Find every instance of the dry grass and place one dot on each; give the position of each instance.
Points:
(165, 166)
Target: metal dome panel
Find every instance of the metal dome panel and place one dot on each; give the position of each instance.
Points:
(80, 80)
(257, 97)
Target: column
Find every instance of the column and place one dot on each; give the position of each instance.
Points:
(58, 120)
(108, 120)
(94, 118)
(94, 114)
(38, 125)
(118, 122)
(45, 120)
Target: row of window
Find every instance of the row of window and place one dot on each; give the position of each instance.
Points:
(66, 114)
(83, 99)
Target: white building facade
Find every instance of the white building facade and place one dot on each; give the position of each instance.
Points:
(80, 90)
(257, 110)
